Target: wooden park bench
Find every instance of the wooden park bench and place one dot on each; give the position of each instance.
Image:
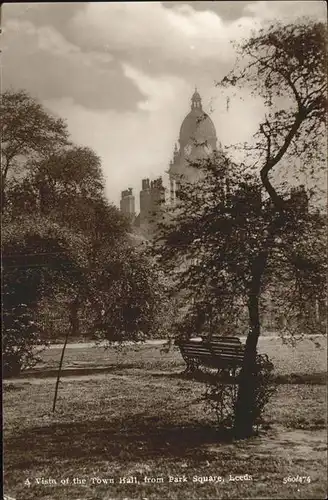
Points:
(224, 354)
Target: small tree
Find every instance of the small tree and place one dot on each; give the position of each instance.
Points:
(229, 241)
(66, 177)
(213, 243)
(286, 66)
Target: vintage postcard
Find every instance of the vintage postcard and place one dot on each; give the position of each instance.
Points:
(164, 250)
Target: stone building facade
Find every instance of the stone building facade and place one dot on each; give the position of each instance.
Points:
(197, 139)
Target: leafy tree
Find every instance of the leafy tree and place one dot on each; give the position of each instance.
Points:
(63, 239)
(286, 66)
(37, 255)
(126, 295)
(229, 242)
(71, 173)
(28, 131)
(67, 187)
(212, 245)
(43, 259)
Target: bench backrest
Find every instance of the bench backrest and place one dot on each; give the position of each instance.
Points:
(224, 340)
(228, 350)
(225, 348)
(195, 348)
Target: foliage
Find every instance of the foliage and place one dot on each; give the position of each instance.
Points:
(235, 239)
(126, 296)
(28, 131)
(63, 241)
(221, 397)
(38, 255)
(20, 339)
(213, 242)
(68, 188)
(285, 65)
(113, 284)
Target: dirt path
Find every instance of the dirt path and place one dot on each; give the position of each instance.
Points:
(82, 345)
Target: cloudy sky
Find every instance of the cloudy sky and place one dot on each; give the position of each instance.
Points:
(122, 73)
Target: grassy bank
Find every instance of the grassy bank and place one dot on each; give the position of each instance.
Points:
(141, 420)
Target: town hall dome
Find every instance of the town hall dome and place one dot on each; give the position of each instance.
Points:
(197, 125)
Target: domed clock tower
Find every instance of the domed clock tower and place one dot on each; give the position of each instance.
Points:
(197, 140)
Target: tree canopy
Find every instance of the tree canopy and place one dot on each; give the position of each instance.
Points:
(64, 244)
(286, 66)
(235, 240)
(28, 131)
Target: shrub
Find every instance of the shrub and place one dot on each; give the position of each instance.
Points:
(20, 338)
(221, 393)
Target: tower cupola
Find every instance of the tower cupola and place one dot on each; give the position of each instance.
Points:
(196, 100)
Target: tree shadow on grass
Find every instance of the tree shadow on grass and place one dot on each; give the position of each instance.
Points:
(137, 438)
(197, 376)
(69, 372)
(319, 378)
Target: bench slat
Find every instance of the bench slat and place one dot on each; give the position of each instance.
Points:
(195, 353)
(216, 355)
(195, 349)
(234, 340)
(224, 346)
(199, 355)
(212, 348)
(219, 352)
(201, 344)
(228, 356)
(208, 356)
(232, 353)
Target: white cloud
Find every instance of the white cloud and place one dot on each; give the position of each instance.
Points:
(131, 144)
(180, 33)
(287, 10)
(160, 91)
(45, 63)
(237, 118)
(49, 40)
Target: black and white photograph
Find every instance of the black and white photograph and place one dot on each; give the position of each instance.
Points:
(164, 250)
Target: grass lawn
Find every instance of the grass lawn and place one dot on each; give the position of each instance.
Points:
(139, 419)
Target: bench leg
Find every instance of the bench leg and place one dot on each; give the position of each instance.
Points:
(188, 369)
(230, 372)
(192, 366)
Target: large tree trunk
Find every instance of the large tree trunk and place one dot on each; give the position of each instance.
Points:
(244, 411)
